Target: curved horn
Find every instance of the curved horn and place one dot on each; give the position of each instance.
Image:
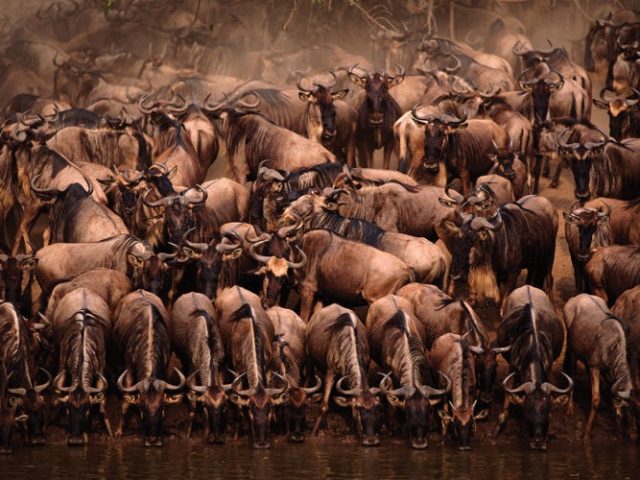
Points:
(479, 223)
(348, 393)
(58, 383)
(274, 392)
(453, 194)
(43, 191)
(302, 262)
(94, 390)
(43, 386)
(428, 391)
(191, 384)
(156, 203)
(525, 387)
(549, 388)
(257, 256)
(300, 87)
(179, 386)
(226, 245)
(122, 388)
(246, 105)
(204, 194)
(456, 67)
(201, 247)
(315, 388)
(560, 83)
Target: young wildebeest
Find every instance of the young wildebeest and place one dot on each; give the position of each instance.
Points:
(437, 314)
(15, 288)
(396, 346)
(612, 270)
(24, 397)
(141, 340)
(246, 333)
(198, 344)
(335, 270)
(532, 336)
(337, 345)
(81, 325)
(492, 252)
(451, 356)
(289, 359)
(596, 337)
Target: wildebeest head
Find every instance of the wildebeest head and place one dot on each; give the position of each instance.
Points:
(590, 222)
(537, 400)
(152, 396)
(365, 408)
(78, 399)
(276, 266)
(545, 81)
(378, 101)
(298, 399)
(504, 159)
(472, 245)
(213, 401)
(29, 399)
(437, 131)
(621, 110)
(321, 111)
(258, 403)
(580, 156)
(179, 211)
(416, 402)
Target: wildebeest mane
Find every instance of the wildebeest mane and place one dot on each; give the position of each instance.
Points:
(245, 311)
(416, 350)
(335, 329)
(138, 340)
(349, 228)
(13, 345)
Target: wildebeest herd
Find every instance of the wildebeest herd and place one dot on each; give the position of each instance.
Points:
(234, 298)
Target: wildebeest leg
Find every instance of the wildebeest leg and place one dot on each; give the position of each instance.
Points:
(46, 236)
(570, 369)
(595, 400)
(556, 177)
(306, 302)
(546, 170)
(123, 414)
(386, 157)
(365, 155)
(351, 153)
(105, 419)
(504, 415)
(328, 384)
(537, 166)
(26, 224)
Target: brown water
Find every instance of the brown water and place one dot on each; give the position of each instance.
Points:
(326, 459)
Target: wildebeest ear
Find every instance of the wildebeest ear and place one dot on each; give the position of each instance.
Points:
(600, 104)
(342, 401)
(569, 218)
(444, 416)
(314, 398)
(169, 399)
(306, 96)
(29, 263)
(340, 94)
(395, 81)
(560, 399)
(133, 260)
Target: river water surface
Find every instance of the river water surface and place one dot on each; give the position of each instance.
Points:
(195, 460)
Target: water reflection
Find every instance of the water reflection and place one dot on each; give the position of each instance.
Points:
(333, 458)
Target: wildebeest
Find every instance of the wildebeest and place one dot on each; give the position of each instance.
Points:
(451, 356)
(437, 314)
(377, 112)
(596, 337)
(624, 118)
(427, 260)
(328, 120)
(534, 336)
(395, 207)
(337, 345)
(333, 271)
(197, 342)
(23, 395)
(491, 253)
(110, 285)
(612, 270)
(247, 333)
(396, 346)
(62, 262)
(75, 217)
(462, 147)
(251, 138)
(16, 289)
(141, 339)
(616, 173)
(289, 359)
(627, 309)
(81, 327)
